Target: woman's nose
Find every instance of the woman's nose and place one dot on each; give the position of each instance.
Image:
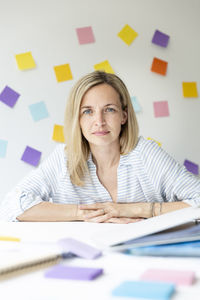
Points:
(99, 118)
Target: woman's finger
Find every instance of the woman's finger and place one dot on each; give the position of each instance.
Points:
(95, 213)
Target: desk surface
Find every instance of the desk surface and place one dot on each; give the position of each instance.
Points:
(117, 267)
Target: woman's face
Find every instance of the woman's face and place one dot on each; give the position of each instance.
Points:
(101, 115)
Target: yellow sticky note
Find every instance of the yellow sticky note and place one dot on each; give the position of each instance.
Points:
(9, 239)
(159, 144)
(190, 89)
(104, 66)
(58, 133)
(63, 73)
(127, 34)
(25, 61)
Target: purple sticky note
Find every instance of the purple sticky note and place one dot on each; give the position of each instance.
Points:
(9, 96)
(85, 35)
(161, 109)
(31, 156)
(192, 167)
(72, 272)
(79, 248)
(160, 38)
(178, 277)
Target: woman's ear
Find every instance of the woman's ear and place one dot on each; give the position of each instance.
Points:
(124, 118)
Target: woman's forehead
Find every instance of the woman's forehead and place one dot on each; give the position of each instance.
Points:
(101, 94)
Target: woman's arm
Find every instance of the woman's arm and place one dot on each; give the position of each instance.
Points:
(51, 212)
(130, 212)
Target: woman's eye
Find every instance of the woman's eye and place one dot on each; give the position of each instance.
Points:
(87, 112)
(110, 109)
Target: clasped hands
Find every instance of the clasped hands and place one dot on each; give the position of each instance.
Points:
(107, 212)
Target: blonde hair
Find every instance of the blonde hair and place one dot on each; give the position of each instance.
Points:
(77, 147)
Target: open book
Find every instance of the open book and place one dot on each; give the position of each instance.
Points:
(123, 237)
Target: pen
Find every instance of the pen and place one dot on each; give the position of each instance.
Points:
(9, 239)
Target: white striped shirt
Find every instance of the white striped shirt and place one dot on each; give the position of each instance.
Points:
(146, 174)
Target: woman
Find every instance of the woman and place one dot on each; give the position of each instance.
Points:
(105, 173)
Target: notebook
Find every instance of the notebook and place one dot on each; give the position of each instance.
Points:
(116, 237)
(183, 233)
(21, 258)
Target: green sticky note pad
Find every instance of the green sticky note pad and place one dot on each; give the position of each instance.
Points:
(145, 290)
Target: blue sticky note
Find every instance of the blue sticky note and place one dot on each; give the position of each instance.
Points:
(3, 148)
(38, 111)
(145, 290)
(136, 105)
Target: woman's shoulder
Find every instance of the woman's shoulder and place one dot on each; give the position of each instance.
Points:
(145, 144)
(56, 158)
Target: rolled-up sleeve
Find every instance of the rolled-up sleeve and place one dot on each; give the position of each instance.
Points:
(172, 180)
(33, 189)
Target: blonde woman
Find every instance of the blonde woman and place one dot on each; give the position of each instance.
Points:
(105, 172)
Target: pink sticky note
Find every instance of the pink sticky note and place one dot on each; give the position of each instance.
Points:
(178, 277)
(85, 35)
(161, 109)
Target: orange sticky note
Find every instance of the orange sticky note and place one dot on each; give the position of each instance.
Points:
(159, 66)
(25, 61)
(190, 89)
(63, 72)
(58, 133)
(127, 34)
(104, 66)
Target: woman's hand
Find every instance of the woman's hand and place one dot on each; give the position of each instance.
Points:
(107, 212)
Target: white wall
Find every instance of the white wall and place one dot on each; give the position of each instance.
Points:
(47, 28)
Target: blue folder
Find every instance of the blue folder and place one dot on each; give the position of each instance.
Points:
(184, 249)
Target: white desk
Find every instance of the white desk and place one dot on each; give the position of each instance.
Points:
(117, 267)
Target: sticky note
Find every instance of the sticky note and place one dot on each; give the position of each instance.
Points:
(104, 66)
(191, 167)
(9, 239)
(63, 72)
(136, 105)
(161, 109)
(190, 89)
(178, 277)
(159, 144)
(79, 248)
(25, 61)
(31, 156)
(160, 38)
(85, 35)
(127, 34)
(159, 66)
(38, 111)
(9, 96)
(145, 290)
(3, 148)
(58, 133)
(72, 272)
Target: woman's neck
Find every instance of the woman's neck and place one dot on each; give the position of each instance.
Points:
(105, 157)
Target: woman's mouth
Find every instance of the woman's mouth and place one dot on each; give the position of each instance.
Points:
(100, 133)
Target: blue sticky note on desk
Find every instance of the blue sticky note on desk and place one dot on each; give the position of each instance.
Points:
(145, 290)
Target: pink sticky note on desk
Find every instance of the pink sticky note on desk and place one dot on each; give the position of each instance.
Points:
(179, 277)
